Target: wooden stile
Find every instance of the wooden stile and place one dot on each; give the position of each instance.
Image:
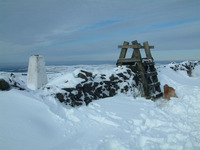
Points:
(143, 67)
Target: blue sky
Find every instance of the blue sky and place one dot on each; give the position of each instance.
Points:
(91, 30)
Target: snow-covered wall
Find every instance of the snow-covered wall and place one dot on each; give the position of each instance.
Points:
(91, 86)
(36, 72)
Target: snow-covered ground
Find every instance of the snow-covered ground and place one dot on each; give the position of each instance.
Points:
(34, 120)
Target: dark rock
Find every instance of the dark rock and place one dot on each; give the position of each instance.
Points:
(76, 103)
(113, 78)
(87, 100)
(12, 75)
(105, 95)
(95, 84)
(116, 87)
(79, 86)
(73, 96)
(60, 97)
(67, 100)
(120, 81)
(68, 89)
(103, 76)
(87, 88)
(4, 86)
(97, 92)
(125, 89)
(114, 83)
(88, 74)
(80, 94)
(108, 83)
(22, 89)
(112, 92)
(107, 87)
(129, 71)
(122, 76)
(82, 76)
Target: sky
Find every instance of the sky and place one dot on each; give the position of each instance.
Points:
(91, 30)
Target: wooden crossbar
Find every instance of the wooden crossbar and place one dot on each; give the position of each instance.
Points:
(151, 74)
(128, 60)
(133, 46)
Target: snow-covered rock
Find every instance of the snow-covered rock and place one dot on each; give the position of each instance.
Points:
(187, 66)
(36, 72)
(4, 85)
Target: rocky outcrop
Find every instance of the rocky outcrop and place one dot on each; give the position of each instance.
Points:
(187, 66)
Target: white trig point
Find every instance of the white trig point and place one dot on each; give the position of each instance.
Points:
(37, 76)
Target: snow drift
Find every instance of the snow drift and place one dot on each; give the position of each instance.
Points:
(37, 120)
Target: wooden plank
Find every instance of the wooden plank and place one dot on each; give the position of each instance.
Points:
(148, 64)
(147, 50)
(151, 74)
(155, 84)
(126, 60)
(133, 46)
(129, 46)
(123, 50)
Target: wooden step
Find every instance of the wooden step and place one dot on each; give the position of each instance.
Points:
(154, 84)
(151, 74)
(145, 60)
(127, 60)
(148, 63)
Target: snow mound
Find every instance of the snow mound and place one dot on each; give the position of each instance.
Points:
(196, 71)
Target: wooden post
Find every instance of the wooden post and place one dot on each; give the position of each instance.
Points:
(122, 54)
(123, 50)
(137, 55)
(147, 50)
(136, 51)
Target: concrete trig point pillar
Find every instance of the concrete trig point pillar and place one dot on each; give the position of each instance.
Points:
(36, 72)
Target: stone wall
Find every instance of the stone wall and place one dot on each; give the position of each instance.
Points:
(96, 86)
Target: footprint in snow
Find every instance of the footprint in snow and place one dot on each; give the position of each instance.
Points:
(102, 120)
(113, 116)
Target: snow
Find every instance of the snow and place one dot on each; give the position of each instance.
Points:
(36, 120)
(196, 72)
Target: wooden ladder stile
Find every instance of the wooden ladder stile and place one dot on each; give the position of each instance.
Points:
(144, 67)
